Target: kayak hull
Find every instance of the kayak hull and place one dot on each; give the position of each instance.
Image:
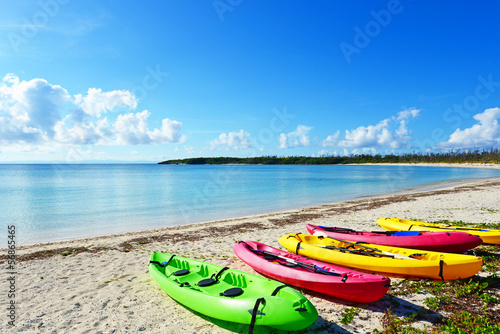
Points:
(347, 284)
(403, 261)
(489, 236)
(288, 309)
(448, 242)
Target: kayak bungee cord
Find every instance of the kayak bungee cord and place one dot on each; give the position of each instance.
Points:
(304, 265)
(352, 251)
(394, 255)
(341, 249)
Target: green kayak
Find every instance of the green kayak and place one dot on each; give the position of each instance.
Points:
(231, 295)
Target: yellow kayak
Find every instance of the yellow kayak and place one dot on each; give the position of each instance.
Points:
(489, 236)
(383, 259)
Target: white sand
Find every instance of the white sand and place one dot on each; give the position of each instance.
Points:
(111, 291)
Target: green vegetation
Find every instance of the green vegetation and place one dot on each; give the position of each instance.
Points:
(348, 315)
(467, 323)
(491, 156)
(433, 303)
(494, 226)
(74, 251)
(462, 322)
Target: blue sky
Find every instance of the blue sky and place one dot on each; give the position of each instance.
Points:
(129, 81)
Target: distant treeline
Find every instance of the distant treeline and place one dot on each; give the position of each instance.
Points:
(491, 156)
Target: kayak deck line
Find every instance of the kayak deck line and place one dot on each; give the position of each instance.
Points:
(371, 250)
(352, 251)
(304, 265)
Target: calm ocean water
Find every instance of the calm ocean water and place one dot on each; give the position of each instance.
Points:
(55, 202)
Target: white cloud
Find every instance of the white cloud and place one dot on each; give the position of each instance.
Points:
(331, 140)
(391, 132)
(97, 102)
(232, 141)
(482, 135)
(296, 138)
(133, 129)
(169, 133)
(29, 109)
(38, 113)
(84, 133)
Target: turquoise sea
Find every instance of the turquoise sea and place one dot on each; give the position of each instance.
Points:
(60, 201)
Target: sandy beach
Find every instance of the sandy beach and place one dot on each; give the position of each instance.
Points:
(102, 284)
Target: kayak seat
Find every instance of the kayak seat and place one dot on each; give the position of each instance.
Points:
(288, 264)
(207, 282)
(213, 279)
(181, 272)
(232, 292)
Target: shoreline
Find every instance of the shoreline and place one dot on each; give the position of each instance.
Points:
(433, 187)
(426, 190)
(102, 285)
(428, 187)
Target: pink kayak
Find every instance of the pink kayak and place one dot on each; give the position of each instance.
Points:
(448, 242)
(313, 275)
